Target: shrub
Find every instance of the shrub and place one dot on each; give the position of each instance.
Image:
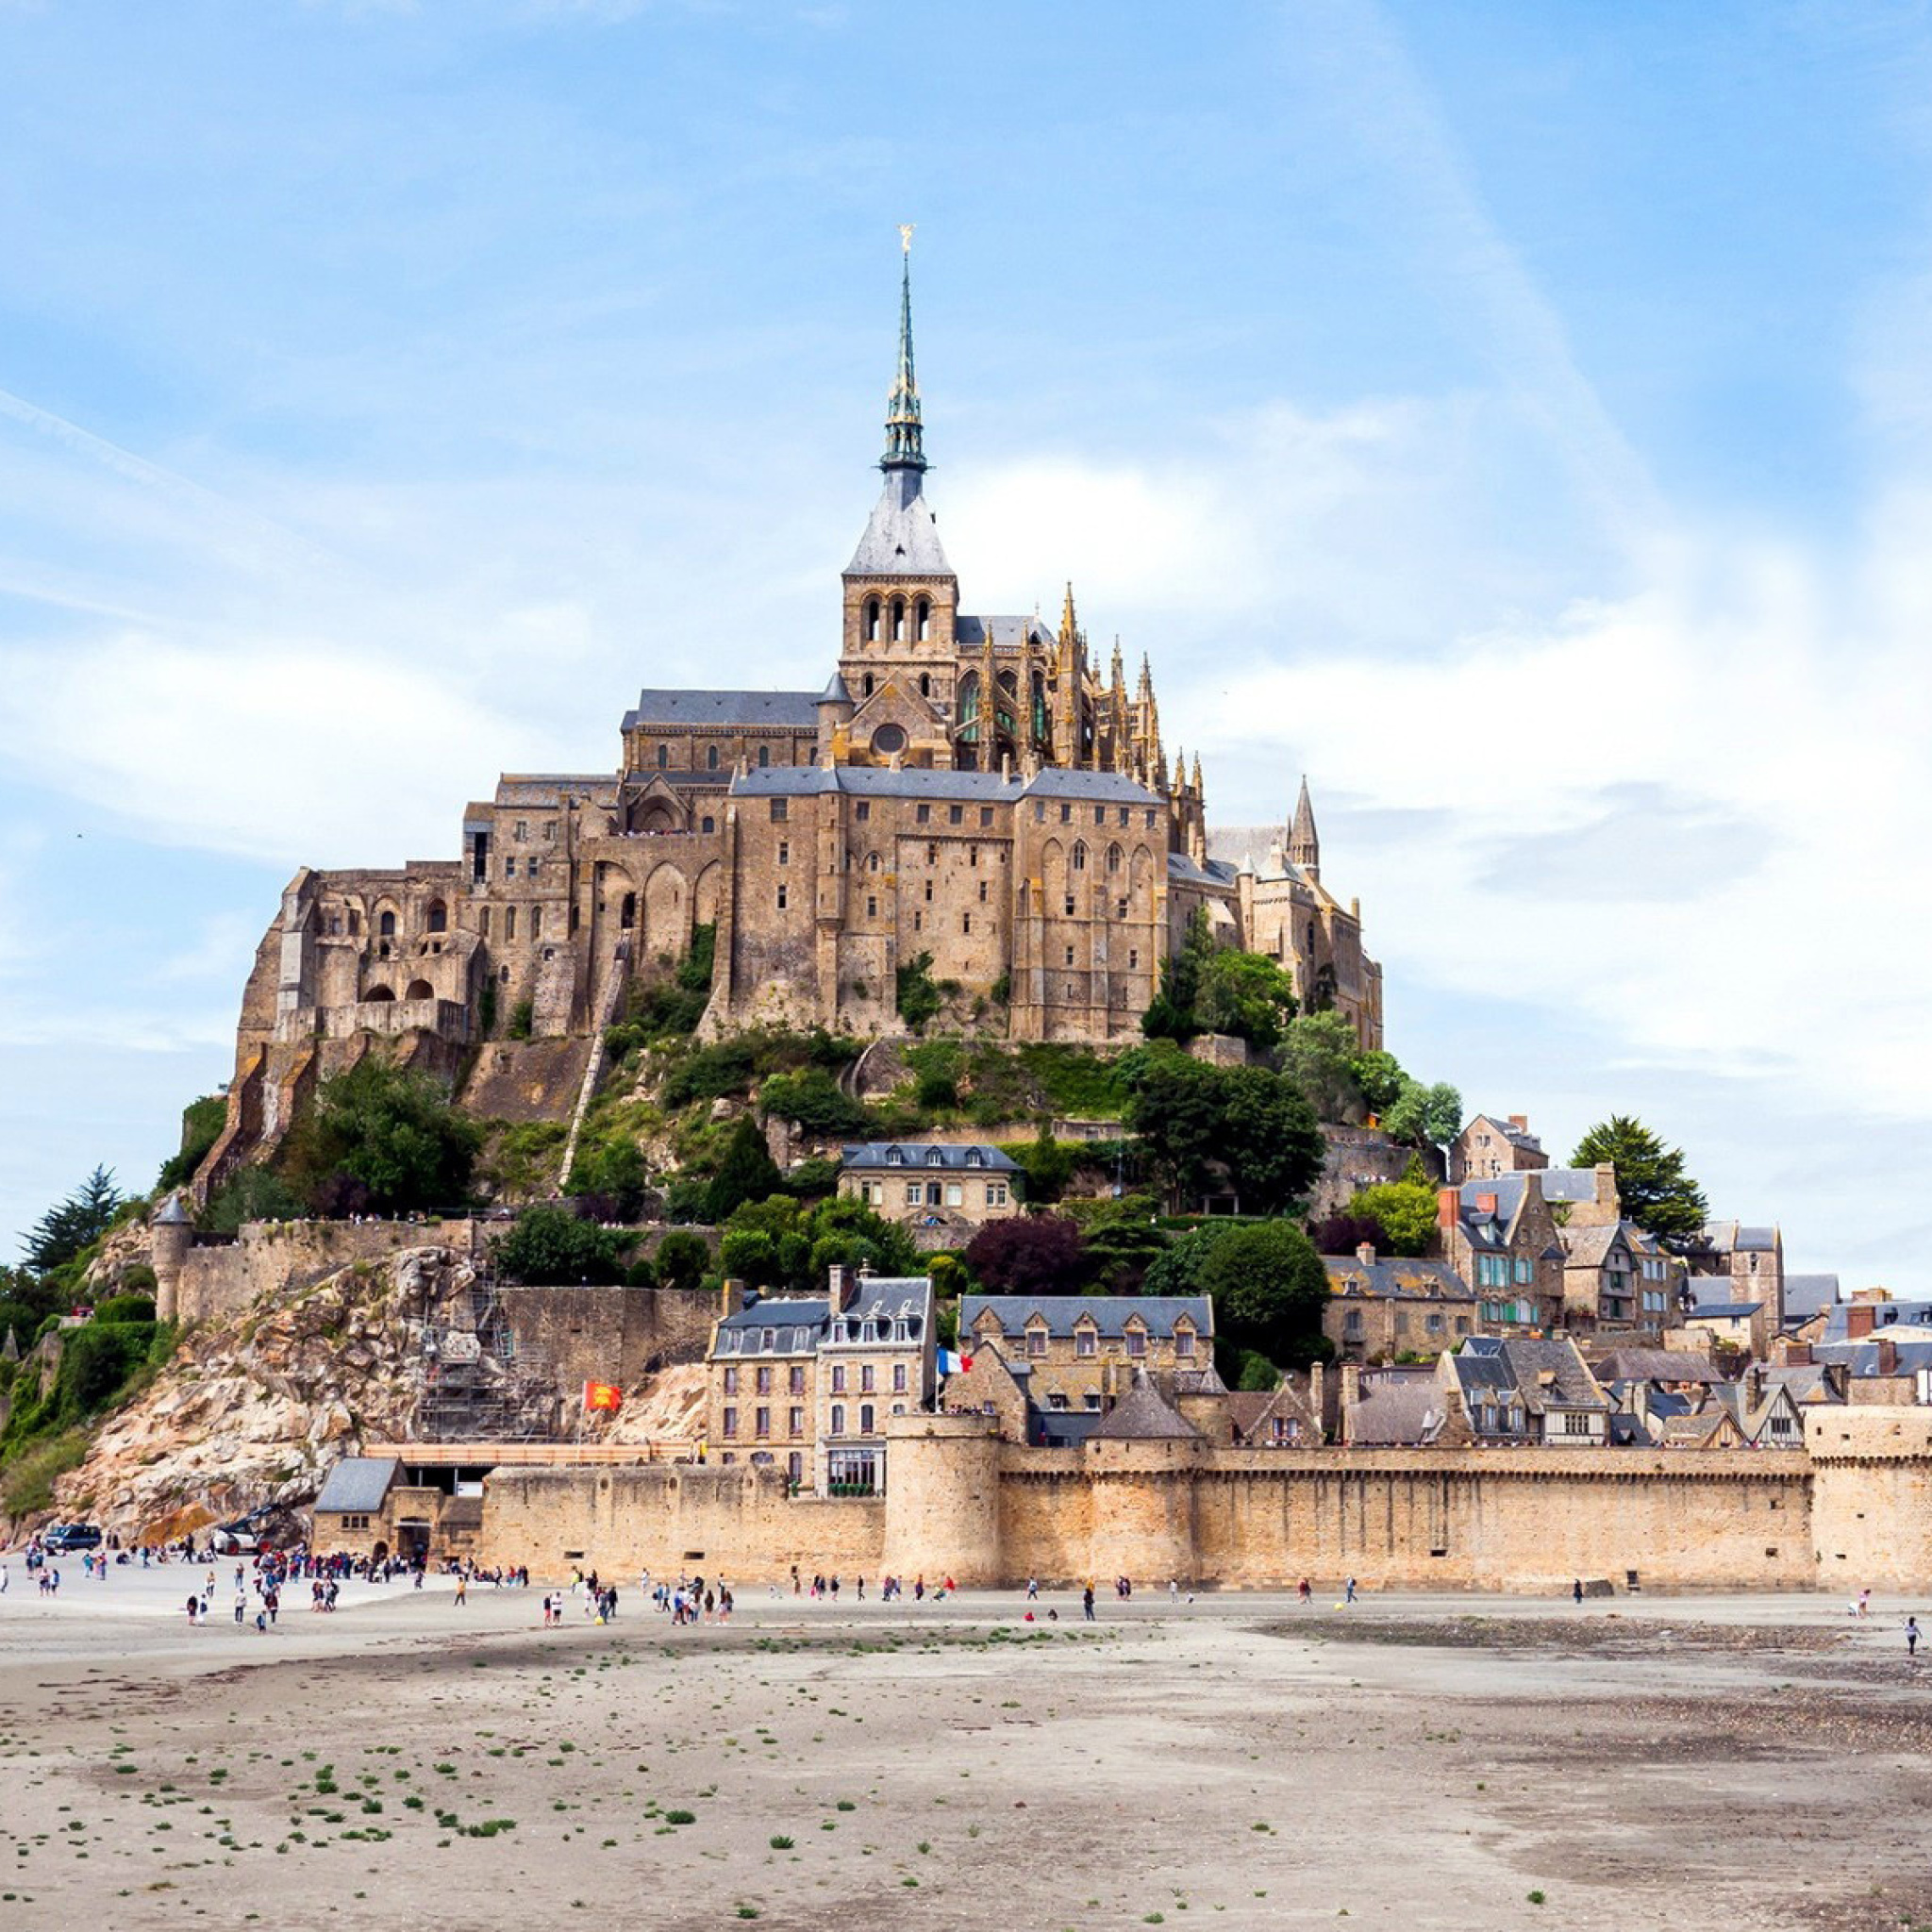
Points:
(392, 1133)
(1030, 1255)
(816, 1101)
(747, 1172)
(523, 1017)
(918, 996)
(250, 1194)
(550, 1246)
(611, 1176)
(28, 1484)
(126, 1307)
(683, 1260)
(201, 1122)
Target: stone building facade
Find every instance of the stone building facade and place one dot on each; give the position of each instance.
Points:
(956, 1186)
(974, 797)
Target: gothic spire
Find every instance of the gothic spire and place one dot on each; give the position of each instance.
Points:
(1304, 846)
(905, 439)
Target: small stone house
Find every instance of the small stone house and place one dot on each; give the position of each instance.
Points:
(1381, 1309)
(1527, 1390)
(932, 1183)
(1616, 1276)
(1500, 1236)
(1489, 1146)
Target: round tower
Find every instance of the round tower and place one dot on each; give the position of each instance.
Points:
(173, 1234)
(942, 1498)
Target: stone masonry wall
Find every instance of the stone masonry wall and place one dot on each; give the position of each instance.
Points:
(611, 1334)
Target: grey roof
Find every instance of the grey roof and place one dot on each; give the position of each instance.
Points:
(937, 1153)
(890, 1298)
(835, 691)
(759, 711)
(1397, 1415)
(1656, 1365)
(881, 781)
(1722, 1311)
(553, 788)
(1009, 633)
(797, 1324)
(902, 536)
(1258, 849)
(1142, 1416)
(172, 1213)
(1884, 1315)
(359, 1483)
(1571, 1384)
(1807, 1295)
(1577, 1184)
(1735, 1237)
(1394, 1276)
(1217, 872)
(1110, 1312)
(1591, 1247)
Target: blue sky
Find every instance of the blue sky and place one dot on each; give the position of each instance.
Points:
(1517, 417)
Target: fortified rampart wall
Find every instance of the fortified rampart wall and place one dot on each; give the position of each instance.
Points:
(962, 1504)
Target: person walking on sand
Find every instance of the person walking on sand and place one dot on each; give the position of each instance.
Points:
(1087, 1600)
(1348, 1591)
(1577, 1591)
(1912, 1638)
(1304, 1590)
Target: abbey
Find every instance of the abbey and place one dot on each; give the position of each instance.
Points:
(969, 797)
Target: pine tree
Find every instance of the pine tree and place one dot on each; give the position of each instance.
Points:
(1656, 1192)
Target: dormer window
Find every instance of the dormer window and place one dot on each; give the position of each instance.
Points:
(974, 1157)
(893, 1157)
(1085, 1341)
(1036, 1340)
(934, 1157)
(1136, 1342)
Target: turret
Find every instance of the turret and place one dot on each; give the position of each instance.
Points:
(1304, 846)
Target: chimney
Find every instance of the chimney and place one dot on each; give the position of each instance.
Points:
(1316, 1377)
(1365, 1253)
(1520, 1122)
(1351, 1395)
(841, 1284)
(1859, 1321)
(1448, 1207)
(1798, 1355)
(734, 1295)
(1887, 1356)
(1486, 1204)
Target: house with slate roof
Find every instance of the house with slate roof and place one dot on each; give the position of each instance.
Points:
(1749, 1259)
(1489, 1145)
(982, 798)
(1617, 1278)
(1500, 1236)
(1527, 1390)
(1384, 1307)
(944, 1191)
(804, 1383)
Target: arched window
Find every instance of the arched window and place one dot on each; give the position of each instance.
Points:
(764, 755)
(872, 620)
(420, 989)
(922, 619)
(1114, 859)
(708, 825)
(868, 684)
(379, 994)
(898, 620)
(711, 758)
(627, 911)
(872, 861)
(439, 916)
(385, 925)
(1079, 857)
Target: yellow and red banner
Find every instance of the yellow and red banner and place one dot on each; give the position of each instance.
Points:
(604, 1395)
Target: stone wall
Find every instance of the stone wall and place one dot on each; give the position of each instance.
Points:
(959, 1503)
(611, 1334)
(1871, 1507)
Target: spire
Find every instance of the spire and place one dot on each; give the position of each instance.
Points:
(905, 442)
(1197, 776)
(1069, 627)
(1304, 846)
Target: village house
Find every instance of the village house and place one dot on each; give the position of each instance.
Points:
(804, 1383)
(1499, 1236)
(932, 1185)
(1381, 1309)
(1745, 1326)
(1530, 1390)
(1489, 1146)
(1288, 1416)
(1049, 1366)
(1617, 1277)
(1752, 1259)
(1582, 1196)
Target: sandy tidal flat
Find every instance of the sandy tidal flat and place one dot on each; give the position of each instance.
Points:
(1413, 1763)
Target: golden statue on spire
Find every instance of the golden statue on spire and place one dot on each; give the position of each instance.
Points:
(906, 237)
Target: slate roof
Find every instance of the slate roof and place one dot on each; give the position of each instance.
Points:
(553, 788)
(1572, 1385)
(1258, 849)
(1398, 1415)
(1736, 1238)
(1142, 1416)
(1806, 1294)
(1576, 1184)
(942, 1155)
(1656, 1365)
(1217, 872)
(901, 536)
(172, 1212)
(359, 1483)
(1110, 1312)
(889, 1298)
(1395, 1275)
(757, 711)
(1723, 1311)
(1884, 1315)
(988, 788)
(1590, 1247)
(797, 1325)
(1009, 633)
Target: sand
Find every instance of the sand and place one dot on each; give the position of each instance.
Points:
(1412, 1762)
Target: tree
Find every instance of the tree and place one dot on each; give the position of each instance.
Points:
(1424, 1116)
(609, 1177)
(74, 1223)
(1199, 1124)
(1380, 1078)
(393, 1132)
(1403, 1213)
(747, 1173)
(1045, 1165)
(1177, 1269)
(1247, 996)
(683, 1260)
(1171, 1014)
(1656, 1192)
(1039, 1254)
(551, 1248)
(919, 997)
(1268, 1289)
(1123, 1240)
(1317, 1054)
(250, 1194)
(201, 1122)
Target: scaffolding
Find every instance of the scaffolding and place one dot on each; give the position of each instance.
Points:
(478, 1384)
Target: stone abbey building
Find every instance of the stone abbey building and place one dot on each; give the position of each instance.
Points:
(975, 789)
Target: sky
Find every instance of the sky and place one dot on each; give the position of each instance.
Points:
(1517, 418)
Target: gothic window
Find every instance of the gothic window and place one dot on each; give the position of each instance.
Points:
(764, 755)
(439, 916)
(1114, 859)
(711, 758)
(926, 684)
(509, 924)
(868, 684)
(1079, 855)
(872, 620)
(536, 921)
(385, 925)
(354, 922)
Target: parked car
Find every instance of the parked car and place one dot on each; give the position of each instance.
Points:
(65, 1538)
(234, 1540)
